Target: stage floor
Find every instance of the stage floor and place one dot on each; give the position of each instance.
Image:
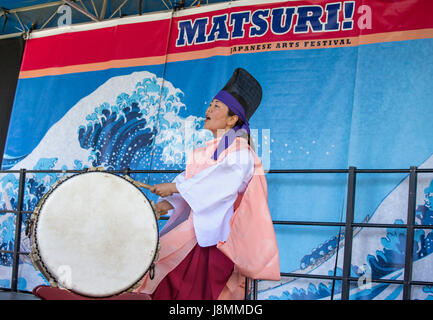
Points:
(8, 295)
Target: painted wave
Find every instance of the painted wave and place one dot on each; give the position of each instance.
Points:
(133, 122)
(130, 121)
(9, 161)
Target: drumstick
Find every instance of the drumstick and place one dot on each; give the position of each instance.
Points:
(143, 185)
(138, 183)
(146, 186)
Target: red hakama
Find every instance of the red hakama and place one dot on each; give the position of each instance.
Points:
(202, 275)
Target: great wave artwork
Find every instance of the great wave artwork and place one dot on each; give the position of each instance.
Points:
(133, 121)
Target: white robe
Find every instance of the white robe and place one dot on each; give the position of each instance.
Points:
(211, 195)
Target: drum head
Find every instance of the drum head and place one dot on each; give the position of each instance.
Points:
(96, 234)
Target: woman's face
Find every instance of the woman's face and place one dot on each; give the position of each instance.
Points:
(217, 117)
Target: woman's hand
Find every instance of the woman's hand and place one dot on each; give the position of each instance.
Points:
(163, 207)
(164, 189)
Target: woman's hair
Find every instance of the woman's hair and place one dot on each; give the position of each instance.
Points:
(240, 123)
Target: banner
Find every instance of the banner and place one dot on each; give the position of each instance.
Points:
(344, 83)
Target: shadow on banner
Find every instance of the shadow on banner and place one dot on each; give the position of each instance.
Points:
(11, 52)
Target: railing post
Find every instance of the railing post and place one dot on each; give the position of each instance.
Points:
(18, 223)
(247, 293)
(348, 233)
(410, 234)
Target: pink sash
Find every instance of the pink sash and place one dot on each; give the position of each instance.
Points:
(251, 245)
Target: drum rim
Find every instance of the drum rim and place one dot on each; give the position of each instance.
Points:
(35, 250)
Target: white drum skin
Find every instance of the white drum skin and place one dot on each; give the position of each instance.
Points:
(96, 234)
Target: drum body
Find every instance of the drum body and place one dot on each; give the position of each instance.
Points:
(94, 233)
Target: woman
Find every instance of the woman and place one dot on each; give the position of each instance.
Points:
(220, 230)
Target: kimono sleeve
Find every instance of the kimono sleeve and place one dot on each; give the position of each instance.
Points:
(219, 184)
(176, 200)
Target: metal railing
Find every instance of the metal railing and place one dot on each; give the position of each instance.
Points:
(349, 224)
(251, 286)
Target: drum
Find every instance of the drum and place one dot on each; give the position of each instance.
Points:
(94, 233)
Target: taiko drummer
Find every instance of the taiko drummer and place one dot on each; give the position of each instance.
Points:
(220, 230)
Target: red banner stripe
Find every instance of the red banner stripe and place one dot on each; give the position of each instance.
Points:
(137, 40)
(146, 42)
